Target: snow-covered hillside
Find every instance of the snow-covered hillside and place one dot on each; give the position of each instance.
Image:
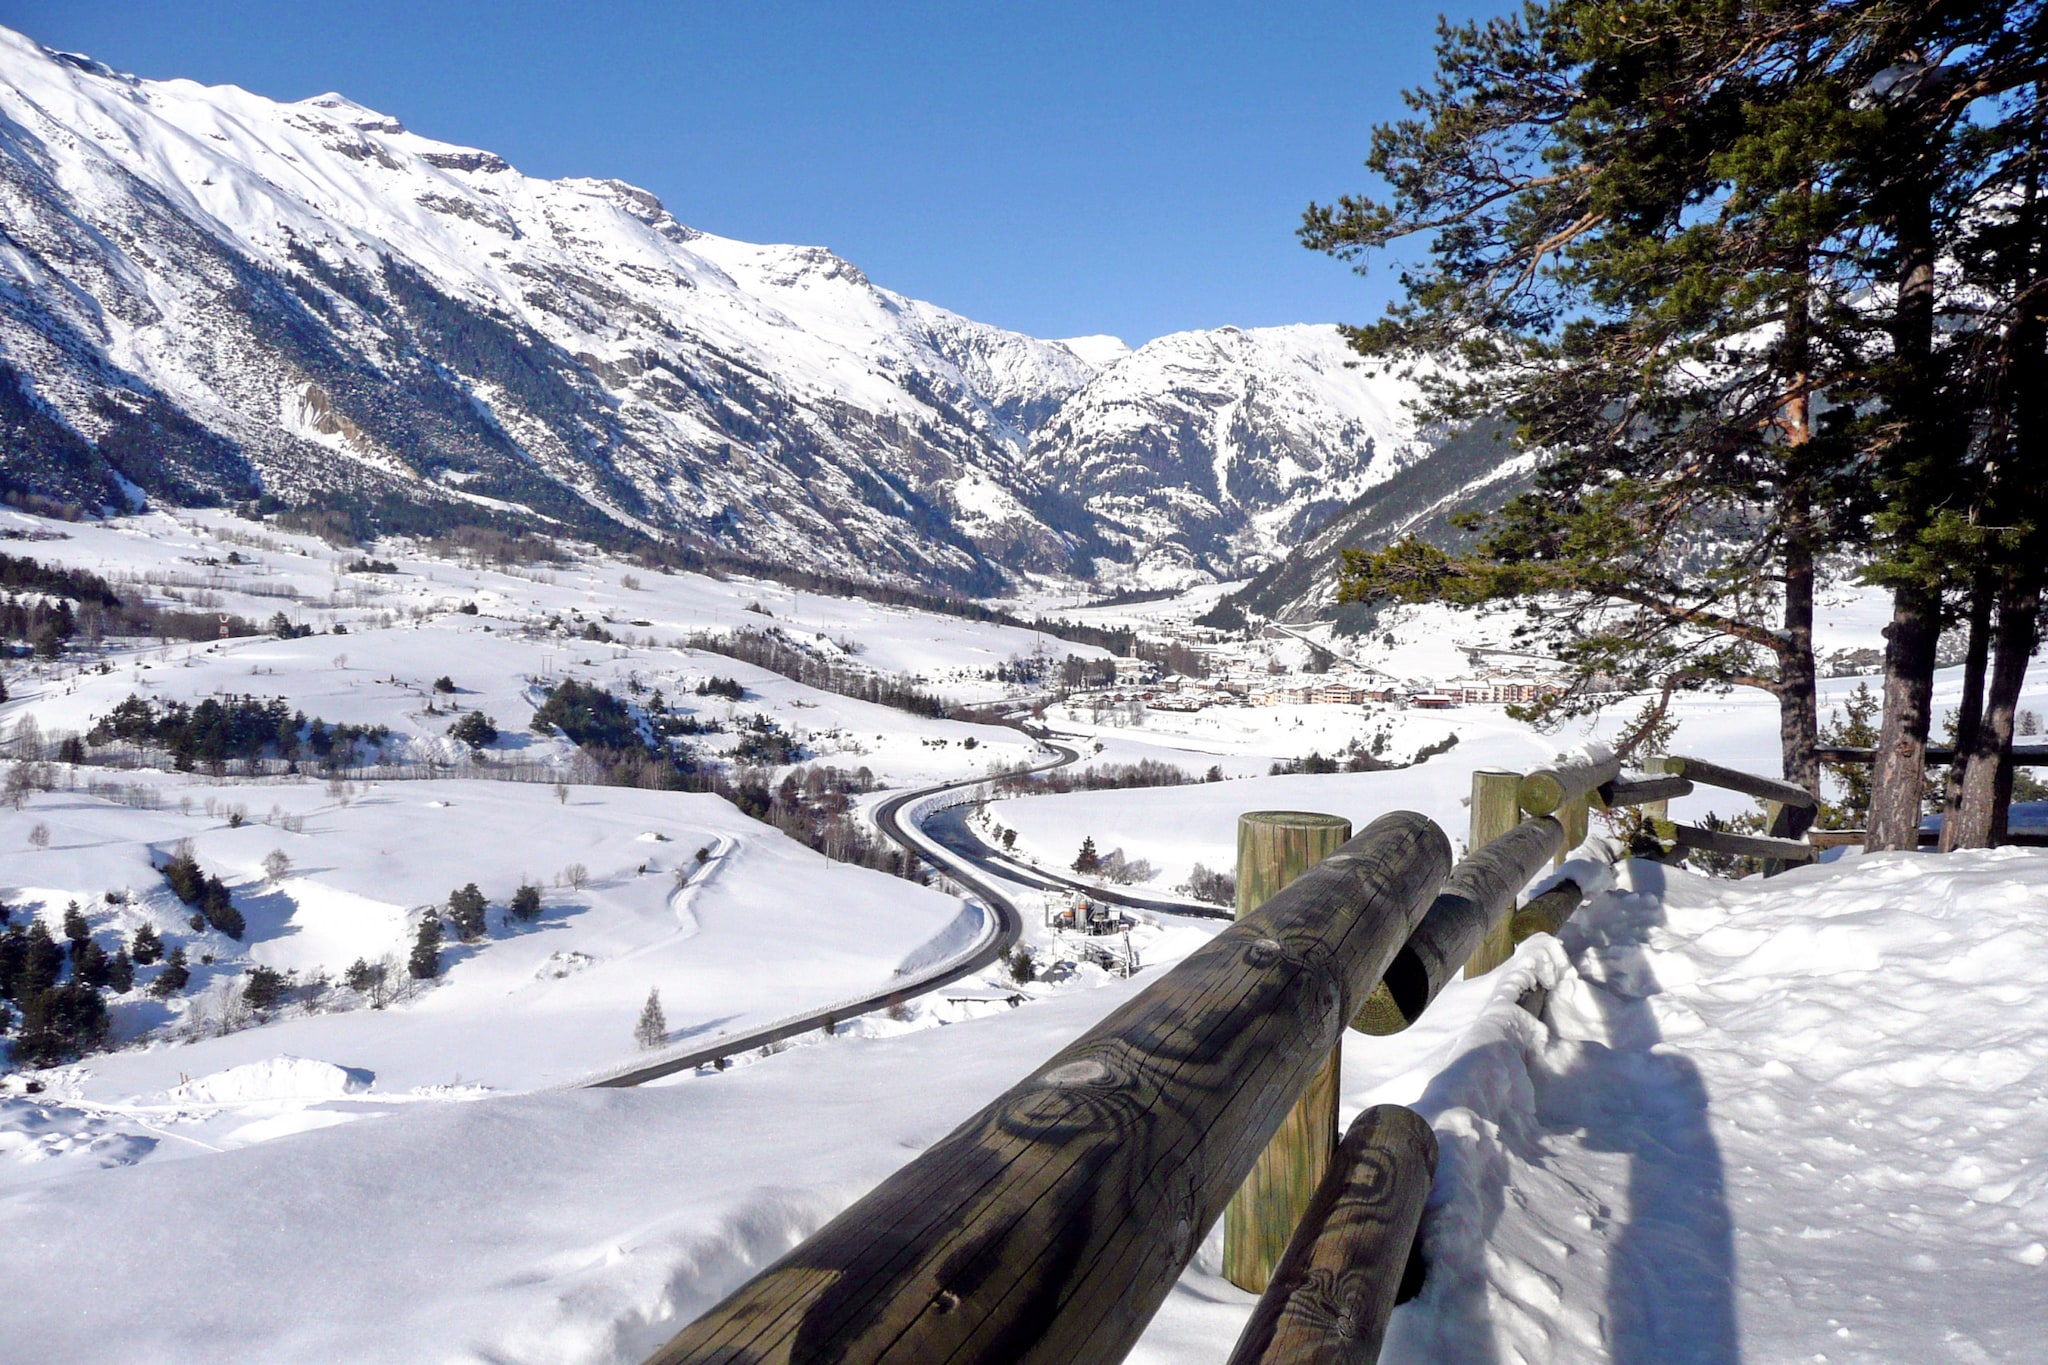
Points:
(214, 296)
(1216, 451)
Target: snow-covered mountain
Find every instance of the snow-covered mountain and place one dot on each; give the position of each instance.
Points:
(206, 295)
(1216, 451)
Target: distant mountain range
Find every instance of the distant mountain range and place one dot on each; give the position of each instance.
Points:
(207, 296)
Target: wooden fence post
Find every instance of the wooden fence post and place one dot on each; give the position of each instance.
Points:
(1576, 817)
(1496, 809)
(1273, 848)
(1655, 810)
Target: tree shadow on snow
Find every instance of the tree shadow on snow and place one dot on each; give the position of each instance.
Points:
(1671, 1268)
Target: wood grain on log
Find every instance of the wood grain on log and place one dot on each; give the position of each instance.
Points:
(1642, 791)
(1546, 790)
(1336, 1287)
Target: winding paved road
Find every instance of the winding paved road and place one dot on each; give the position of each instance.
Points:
(962, 869)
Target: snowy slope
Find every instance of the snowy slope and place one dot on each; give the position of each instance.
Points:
(1772, 1121)
(212, 295)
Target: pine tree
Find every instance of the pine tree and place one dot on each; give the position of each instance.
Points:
(90, 963)
(75, 927)
(60, 1025)
(652, 1029)
(148, 946)
(1088, 861)
(466, 912)
(173, 977)
(217, 904)
(526, 902)
(121, 972)
(425, 962)
(263, 988)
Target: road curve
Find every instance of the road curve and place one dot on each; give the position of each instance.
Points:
(888, 817)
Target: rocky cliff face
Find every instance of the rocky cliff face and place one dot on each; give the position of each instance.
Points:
(209, 296)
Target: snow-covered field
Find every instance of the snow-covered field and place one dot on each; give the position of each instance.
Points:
(1771, 1121)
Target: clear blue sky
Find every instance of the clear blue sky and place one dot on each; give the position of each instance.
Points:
(1060, 168)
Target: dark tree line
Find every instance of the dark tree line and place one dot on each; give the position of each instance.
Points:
(220, 730)
(1763, 283)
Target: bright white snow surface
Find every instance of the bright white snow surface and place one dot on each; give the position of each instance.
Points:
(1797, 1119)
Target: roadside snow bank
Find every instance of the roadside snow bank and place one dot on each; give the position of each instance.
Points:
(962, 935)
(280, 1078)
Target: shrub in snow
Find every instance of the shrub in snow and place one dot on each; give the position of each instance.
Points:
(39, 835)
(276, 864)
(182, 872)
(1022, 968)
(576, 876)
(425, 962)
(444, 683)
(466, 912)
(652, 1029)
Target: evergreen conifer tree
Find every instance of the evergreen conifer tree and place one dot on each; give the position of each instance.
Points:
(173, 977)
(148, 946)
(217, 904)
(121, 972)
(466, 912)
(75, 927)
(90, 964)
(526, 902)
(1087, 861)
(425, 962)
(651, 1031)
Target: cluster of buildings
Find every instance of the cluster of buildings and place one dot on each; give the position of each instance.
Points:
(1175, 693)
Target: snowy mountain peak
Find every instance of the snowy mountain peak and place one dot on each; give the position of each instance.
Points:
(211, 295)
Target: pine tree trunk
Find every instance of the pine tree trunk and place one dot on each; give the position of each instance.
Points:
(1897, 776)
(1987, 782)
(1798, 704)
(1911, 468)
(1970, 713)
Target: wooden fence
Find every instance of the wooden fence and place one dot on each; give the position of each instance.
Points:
(1051, 1225)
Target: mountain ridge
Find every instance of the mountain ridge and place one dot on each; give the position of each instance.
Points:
(213, 297)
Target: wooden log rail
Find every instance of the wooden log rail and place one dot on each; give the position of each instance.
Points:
(1480, 890)
(1050, 1226)
(1749, 784)
(1352, 1258)
(2025, 755)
